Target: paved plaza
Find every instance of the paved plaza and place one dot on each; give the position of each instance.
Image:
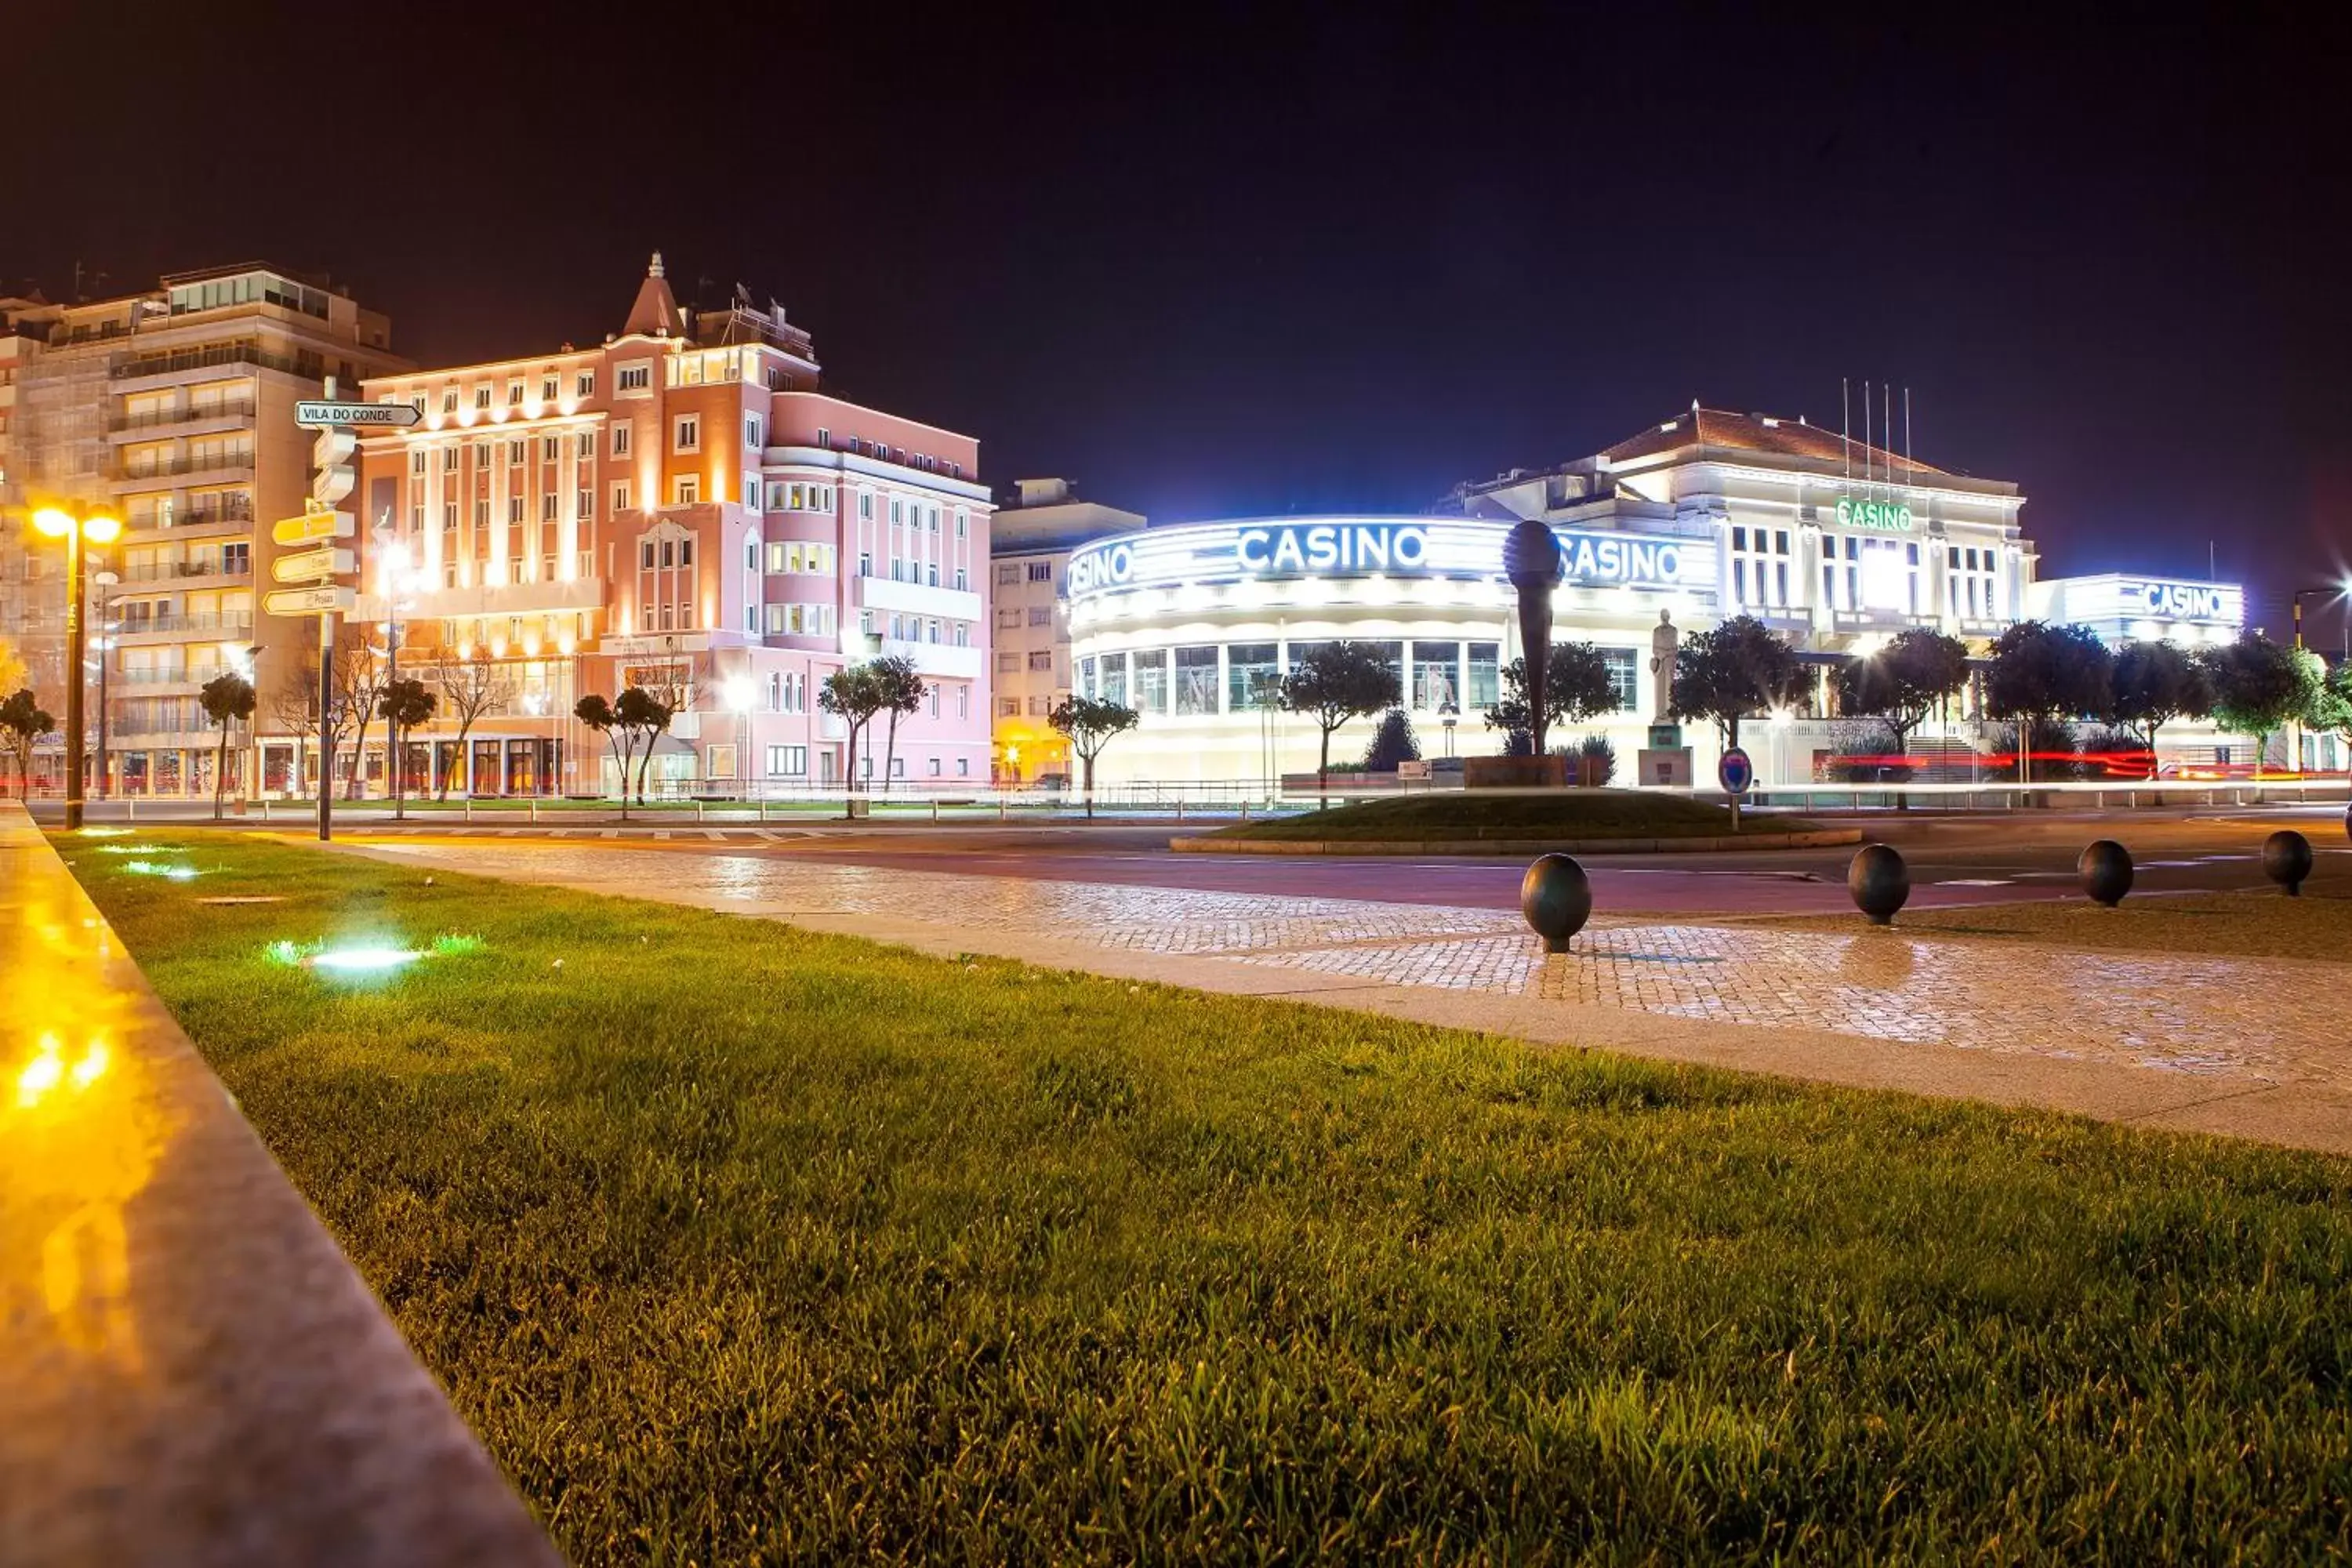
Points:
(2248, 1046)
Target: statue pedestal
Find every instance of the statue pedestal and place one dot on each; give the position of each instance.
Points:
(1514, 773)
(1664, 766)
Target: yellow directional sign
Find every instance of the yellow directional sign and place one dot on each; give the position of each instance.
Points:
(313, 526)
(308, 601)
(313, 566)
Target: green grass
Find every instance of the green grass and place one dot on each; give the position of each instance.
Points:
(1477, 813)
(739, 1243)
(2262, 924)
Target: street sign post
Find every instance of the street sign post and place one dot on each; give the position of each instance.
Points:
(1735, 771)
(325, 600)
(312, 567)
(314, 526)
(330, 416)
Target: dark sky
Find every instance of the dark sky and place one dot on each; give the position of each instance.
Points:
(1278, 258)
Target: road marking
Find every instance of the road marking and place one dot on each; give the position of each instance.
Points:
(1975, 882)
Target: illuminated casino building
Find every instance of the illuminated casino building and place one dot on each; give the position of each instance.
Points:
(1835, 543)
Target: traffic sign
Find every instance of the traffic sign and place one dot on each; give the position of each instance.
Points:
(332, 416)
(313, 565)
(313, 526)
(331, 454)
(308, 601)
(1735, 771)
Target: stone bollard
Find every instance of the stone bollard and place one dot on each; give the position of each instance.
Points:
(2105, 869)
(1879, 881)
(2286, 860)
(1556, 897)
(2348, 822)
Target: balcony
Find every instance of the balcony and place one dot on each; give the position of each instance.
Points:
(196, 463)
(937, 657)
(914, 598)
(177, 571)
(241, 412)
(215, 625)
(126, 367)
(158, 678)
(236, 517)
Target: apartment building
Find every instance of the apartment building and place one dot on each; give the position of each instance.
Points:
(175, 407)
(681, 507)
(1042, 522)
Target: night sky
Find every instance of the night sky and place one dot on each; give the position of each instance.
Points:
(1276, 258)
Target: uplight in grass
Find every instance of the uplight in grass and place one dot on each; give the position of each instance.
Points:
(132, 848)
(449, 945)
(157, 869)
(364, 960)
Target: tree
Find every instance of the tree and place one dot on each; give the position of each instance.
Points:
(294, 705)
(1905, 681)
(1392, 742)
(359, 676)
(1089, 723)
(853, 694)
(597, 713)
(2261, 686)
(2153, 683)
(2331, 709)
(1576, 687)
(643, 713)
(1335, 682)
(226, 698)
(470, 688)
(1736, 668)
(902, 691)
(24, 722)
(13, 674)
(2043, 673)
(404, 705)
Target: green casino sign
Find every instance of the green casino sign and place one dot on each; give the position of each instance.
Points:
(1883, 516)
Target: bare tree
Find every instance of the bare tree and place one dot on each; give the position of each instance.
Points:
(294, 707)
(360, 677)
(470, 689)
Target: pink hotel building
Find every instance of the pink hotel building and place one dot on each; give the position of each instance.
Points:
(677, 508)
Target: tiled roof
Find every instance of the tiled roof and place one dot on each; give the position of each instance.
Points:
(1761, 433)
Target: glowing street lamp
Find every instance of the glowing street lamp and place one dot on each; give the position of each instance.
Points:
(740, 694)
(80, 527)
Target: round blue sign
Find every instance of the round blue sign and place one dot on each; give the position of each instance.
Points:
(1735, 771)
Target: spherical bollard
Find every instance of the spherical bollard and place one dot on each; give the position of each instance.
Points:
(1879, 881)
(2105, 869)
(2286, 860)
(2348, 822)
(1556, 897)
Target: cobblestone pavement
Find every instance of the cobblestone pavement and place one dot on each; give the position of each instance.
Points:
(2265, 1022)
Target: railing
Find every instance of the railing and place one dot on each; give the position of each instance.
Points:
(158, 677)
(195, 464)
(157, 419)
(199, 623)
(203, 519)
(126, 367)
(169, 570)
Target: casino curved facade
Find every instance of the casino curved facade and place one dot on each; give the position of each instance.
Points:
(1836, 544)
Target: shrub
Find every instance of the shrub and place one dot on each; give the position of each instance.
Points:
(2055, 755)
(1862, 751)
(1596, 762)
(2112, 754)
(1392, 742)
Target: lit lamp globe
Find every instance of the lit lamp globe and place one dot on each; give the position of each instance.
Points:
(739, 694)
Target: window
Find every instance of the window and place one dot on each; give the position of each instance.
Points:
(751, 555)
(754, 431)
(514, 508)
(787, 761)
(963, 701)
(824, 436)
(448, 459)
(1008, 619)
(1040, 615)
(1250, 674)
(635, 377)
(482, 513)
(517, 450)
(1008, 662)
(1485, 680)
(1008, 706)
(514, 393)
(587, 445)
(1041, 707)
(751, 492)
(482, 396)
(1007, 574)
(1437, 676)
(621, 496)
(1042, 661)
(621, 440)
(448, 400)
(685, 433)
(962, 524)
(551, 448)
(547, 507)
(935, 767)
(449, 517)
(1041, 571)
(584, 385)
(416, 461)
(1624, 663)
(865, 505)
(686, 489)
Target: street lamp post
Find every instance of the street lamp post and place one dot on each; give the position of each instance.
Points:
(78, 526)
(740, 692)
(105, 580)
(401, 583)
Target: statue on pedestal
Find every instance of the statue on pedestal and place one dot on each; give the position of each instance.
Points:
(1663, 642)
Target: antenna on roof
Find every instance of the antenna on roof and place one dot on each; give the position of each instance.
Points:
(1846, 425)
(1866, 464)
(1909, 461)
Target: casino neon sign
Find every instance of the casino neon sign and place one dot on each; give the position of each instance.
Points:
(1277, 549)
(1884, 516)
(2181, 601)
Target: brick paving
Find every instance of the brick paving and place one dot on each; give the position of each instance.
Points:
(2265, 1022)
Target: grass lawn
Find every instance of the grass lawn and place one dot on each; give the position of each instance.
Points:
(2262, 924)
(1479, 814)
(739, 1243)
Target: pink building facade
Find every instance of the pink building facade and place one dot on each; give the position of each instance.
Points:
(680, 508)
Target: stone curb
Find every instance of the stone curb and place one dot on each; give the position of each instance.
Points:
(1208, 844)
